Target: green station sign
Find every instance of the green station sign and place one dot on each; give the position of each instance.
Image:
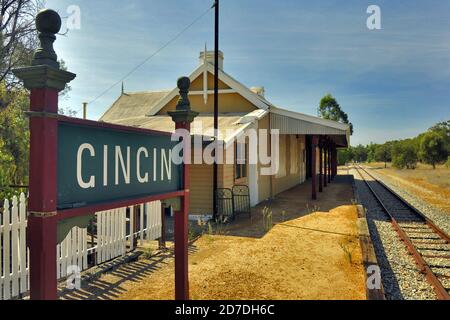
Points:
(98, 164)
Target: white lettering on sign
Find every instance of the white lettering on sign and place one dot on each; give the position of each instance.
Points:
(154, 164)
(125, 171)
(105, 166)
(138, 165)
(166, 162)
(91, 182)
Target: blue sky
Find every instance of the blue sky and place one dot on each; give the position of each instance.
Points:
(394, 82)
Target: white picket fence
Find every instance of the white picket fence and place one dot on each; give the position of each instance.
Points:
(113, 239)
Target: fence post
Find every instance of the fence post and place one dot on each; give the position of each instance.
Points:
(183, 117)
(44, 79)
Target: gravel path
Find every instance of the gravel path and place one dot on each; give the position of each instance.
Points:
(439, 217)
(400, 277)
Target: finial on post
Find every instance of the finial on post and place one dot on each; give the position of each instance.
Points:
(183, 111)
(45, 71)
(48, 23)
(183, 84)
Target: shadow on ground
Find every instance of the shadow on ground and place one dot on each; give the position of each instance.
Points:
(100, 290)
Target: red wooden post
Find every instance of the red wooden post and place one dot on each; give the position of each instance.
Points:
(314, 142)
(325, 163)
(320, 166)
(329, 161)
(332, 162)
(44, 80)
(335, 161)
(183, 117)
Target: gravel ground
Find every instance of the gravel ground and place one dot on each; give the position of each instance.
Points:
(400, 277)
(439, 217)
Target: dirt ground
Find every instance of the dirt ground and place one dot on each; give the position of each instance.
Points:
(432, 186)
(308, 254)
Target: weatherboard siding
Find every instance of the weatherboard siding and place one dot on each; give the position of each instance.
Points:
(292, 176)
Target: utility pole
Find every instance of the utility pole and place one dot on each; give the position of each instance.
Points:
(84, 110)
(216, 103)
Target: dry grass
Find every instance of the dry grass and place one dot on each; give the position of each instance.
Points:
(432, 186)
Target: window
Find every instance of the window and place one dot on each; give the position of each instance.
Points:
(241, 160)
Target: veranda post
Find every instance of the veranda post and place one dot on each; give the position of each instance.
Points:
(45, 80)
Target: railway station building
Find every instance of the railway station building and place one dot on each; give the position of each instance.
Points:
(302, 137)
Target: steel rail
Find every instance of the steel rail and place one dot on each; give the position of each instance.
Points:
(424, 268)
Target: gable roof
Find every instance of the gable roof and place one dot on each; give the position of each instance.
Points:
(245, 92)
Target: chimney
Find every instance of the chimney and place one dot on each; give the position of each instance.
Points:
(210, 58)
(258, 90)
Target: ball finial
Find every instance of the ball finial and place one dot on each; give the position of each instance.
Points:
(48, 21)
(184, 83)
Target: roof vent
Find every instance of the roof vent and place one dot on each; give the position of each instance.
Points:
(258, 90)
(210, 58)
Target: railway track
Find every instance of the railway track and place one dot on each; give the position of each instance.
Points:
(428, 245)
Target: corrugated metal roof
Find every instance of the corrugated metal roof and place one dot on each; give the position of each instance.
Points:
(131, 105)
(288, 125)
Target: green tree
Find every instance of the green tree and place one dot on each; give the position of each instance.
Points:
(383, 153)
(345, 155)
(330, 109)
(360, 153)
(433, 148)
(404, 154)
(18, 37)
(14, 137)
(371, 149)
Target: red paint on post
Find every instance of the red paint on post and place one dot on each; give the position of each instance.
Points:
(325, 162)
(181, 227)
(314, 141)
(41, 230)
(321, 167)
(329, 163)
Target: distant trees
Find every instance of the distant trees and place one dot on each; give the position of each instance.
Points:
(345, 155)
(330, 109)
(360, 153)
(383, 153)
(404, 154)
(431, 147)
